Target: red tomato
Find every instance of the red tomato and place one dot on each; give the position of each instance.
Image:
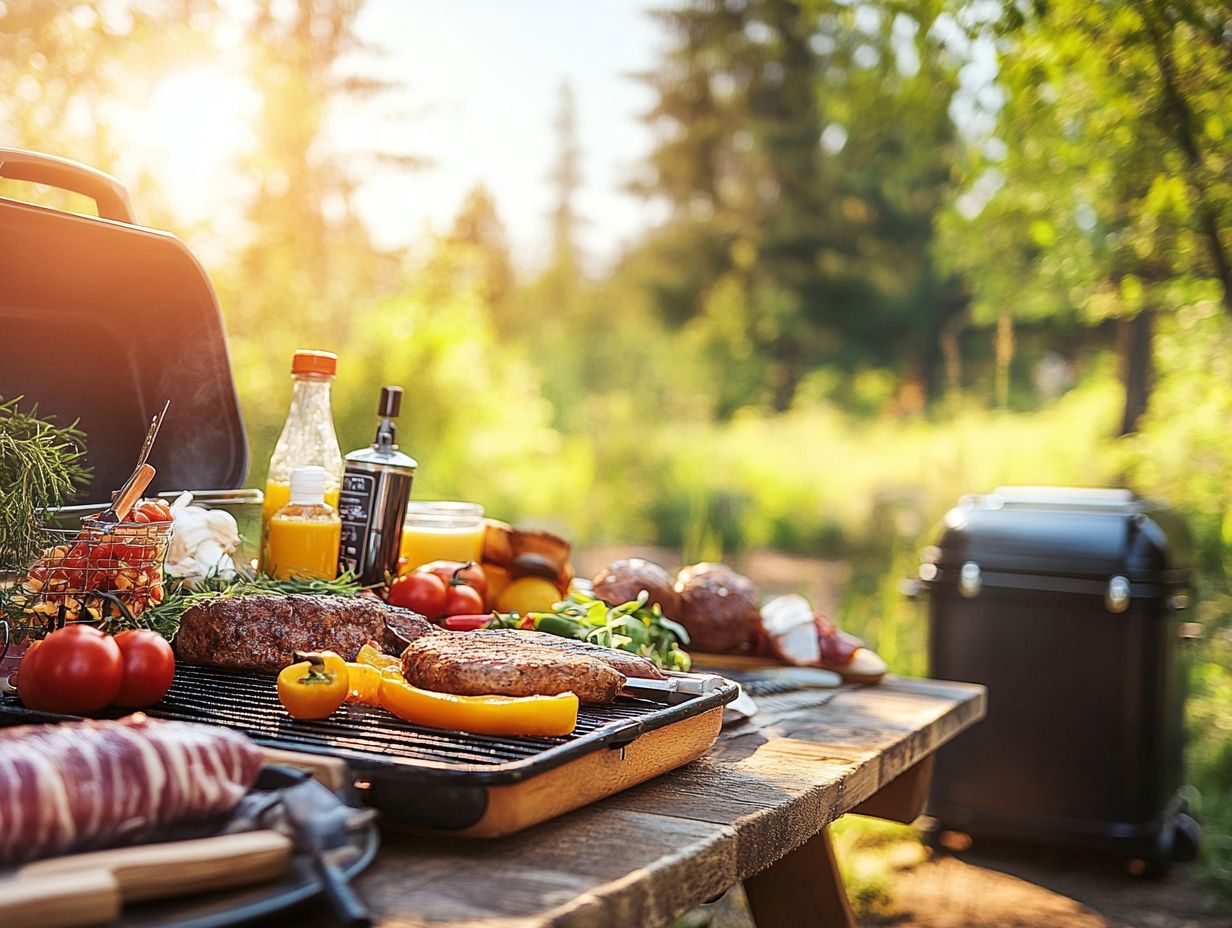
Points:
(149, 666)
(458, 572)
(23, 680)
(422, 593)
(77, 669)
(154, 510)
(463, 600)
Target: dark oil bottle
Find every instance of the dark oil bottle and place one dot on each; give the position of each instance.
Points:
(376, 484)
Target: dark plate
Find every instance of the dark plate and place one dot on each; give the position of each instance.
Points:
(236, 906)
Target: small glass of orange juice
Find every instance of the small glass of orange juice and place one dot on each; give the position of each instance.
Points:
(441, 531)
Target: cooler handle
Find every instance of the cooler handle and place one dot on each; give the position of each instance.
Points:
(107, 192)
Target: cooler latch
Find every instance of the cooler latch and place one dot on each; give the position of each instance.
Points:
(1116, 599)
(970, 580)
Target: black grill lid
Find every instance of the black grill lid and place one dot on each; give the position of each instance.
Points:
(1062, 532)
(103, 320)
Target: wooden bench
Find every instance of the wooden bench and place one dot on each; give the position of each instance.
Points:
(755, 809)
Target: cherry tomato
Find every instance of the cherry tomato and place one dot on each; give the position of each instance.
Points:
(77, 669)
(458, 572)
(149, 666)
(420, 592)
(463, 600)
(154, 510)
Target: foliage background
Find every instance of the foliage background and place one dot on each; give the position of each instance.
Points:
(876, 288)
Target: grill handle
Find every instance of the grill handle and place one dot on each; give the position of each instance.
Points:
(107, 192)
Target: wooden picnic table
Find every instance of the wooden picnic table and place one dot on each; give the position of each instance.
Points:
(754, 809)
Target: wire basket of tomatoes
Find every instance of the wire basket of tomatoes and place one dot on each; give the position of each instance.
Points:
(95, 573)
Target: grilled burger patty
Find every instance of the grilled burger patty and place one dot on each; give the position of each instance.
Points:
(468, 664)
(261, 632)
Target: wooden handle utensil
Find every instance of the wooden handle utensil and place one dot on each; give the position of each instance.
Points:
(89, 889)
(129, 494)
(331, 772)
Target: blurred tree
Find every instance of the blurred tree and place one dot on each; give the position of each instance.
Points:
(566, 178)
(804, 149)
(1106, 190)
(479, 245)
(70, 69)
(306, 241)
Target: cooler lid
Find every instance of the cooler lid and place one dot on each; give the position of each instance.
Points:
(1066, 532)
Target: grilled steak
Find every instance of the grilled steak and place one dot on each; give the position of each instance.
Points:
(85, 785)
(631, 665)
(260, 632)
(470, 664)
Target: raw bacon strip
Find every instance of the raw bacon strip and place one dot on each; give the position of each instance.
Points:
(87, 785)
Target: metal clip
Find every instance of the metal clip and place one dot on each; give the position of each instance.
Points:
(969, 580)
(1117, 598)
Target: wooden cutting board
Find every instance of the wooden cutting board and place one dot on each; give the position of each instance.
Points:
(867, 667)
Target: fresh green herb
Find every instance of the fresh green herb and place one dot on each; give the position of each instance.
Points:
(42, 466)
(164, 618)
(631, 626)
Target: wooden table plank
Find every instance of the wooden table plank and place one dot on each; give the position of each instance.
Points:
(648, 854)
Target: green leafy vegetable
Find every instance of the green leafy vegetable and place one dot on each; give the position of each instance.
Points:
(632, 626)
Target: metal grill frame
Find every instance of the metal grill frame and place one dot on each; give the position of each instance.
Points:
(363, 736)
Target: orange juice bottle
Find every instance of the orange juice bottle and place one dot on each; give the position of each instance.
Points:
(304, 534)
(308, 438)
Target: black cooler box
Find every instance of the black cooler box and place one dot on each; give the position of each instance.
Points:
(1067, 605)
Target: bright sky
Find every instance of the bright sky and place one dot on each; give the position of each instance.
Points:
(482, 81)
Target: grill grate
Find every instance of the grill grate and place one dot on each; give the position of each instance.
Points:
(368, 737)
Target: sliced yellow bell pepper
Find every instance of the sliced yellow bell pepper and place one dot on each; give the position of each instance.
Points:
(314, 686)
(364, 684)
(542, 716)
(388, 665)
(373, 656)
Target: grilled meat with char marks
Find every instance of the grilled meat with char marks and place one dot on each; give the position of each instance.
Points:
(261, 632)
(631, 665)
(469, 664)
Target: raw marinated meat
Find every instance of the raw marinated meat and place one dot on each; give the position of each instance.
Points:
(87, 785)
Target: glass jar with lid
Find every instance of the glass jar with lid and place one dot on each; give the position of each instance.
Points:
(442, 530)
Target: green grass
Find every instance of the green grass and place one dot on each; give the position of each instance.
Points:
(872, 492)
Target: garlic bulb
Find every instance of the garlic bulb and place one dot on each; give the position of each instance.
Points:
(202, 542)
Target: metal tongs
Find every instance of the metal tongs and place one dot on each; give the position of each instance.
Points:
(677, 688)
(126, 497)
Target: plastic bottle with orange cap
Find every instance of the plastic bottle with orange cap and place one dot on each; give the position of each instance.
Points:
(308, 437)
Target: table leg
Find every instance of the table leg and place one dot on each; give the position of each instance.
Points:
(903, 798)
(804, 888)
(801, 890)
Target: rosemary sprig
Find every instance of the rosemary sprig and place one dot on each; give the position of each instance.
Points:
(42, 466)
(164, 618)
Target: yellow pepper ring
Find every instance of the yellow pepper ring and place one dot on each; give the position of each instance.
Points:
(539, 716)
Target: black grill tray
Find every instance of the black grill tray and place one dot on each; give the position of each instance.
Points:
(415, 775)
